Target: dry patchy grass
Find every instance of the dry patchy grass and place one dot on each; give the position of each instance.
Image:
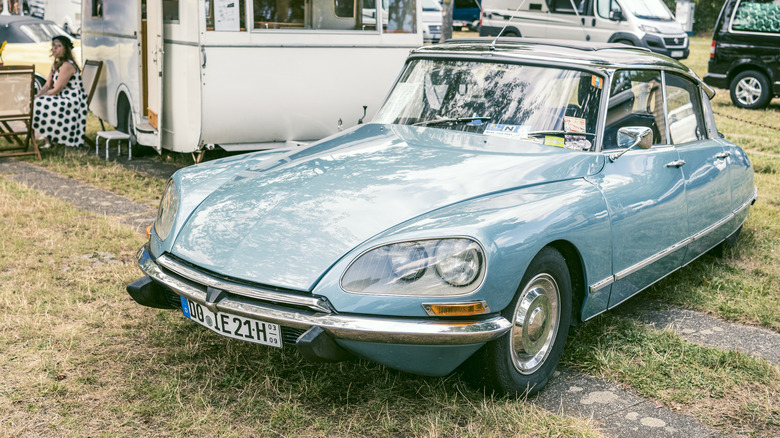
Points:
(80, 358)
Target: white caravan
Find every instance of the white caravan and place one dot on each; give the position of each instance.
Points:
(189, 75)
(642, 23)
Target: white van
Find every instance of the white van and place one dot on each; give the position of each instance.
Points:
(190, 75)
(643, 23)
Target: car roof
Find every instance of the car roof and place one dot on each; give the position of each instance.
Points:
(580, 53)
(6, 20)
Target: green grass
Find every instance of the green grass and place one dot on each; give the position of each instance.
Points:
(728, 390)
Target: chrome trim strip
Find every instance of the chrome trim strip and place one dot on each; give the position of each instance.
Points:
(310, 46)
(712, 227)
(180, 43)
(652, 259)
(602, 284)
(316, 304)
(416, 331)
(110, 34)
(663, 253)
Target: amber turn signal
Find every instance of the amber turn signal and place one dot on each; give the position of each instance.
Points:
(149, 231)
(457, 309)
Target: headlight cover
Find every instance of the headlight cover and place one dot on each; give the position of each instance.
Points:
(166, 213)
(434, 267)
(649, 29)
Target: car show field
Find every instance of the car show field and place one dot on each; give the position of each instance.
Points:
(80, 358)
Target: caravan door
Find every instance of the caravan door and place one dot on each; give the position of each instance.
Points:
(154, 68)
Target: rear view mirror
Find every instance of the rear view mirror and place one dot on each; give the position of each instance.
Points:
(616, 15)
(630, 137)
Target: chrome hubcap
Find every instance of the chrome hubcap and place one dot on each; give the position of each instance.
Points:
(748, 91)
(535, 324)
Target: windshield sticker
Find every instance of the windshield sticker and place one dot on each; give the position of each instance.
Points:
(577, 143)
(595, 81)
(512, 131)
(573, 124)
(551, 140)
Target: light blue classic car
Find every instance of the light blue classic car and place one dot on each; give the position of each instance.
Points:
(505, 191)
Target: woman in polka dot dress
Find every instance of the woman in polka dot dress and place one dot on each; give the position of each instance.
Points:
(60, 112)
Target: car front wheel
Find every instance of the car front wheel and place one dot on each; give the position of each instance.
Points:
(750, 90)
(523, 360)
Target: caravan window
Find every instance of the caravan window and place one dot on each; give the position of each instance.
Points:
(171, 10)
(398, 15)
(97, 8)
(401, 17)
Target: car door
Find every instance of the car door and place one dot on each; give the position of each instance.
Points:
(704, 164)
(644, 188)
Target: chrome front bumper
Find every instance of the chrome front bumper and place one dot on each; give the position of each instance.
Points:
(305, 312)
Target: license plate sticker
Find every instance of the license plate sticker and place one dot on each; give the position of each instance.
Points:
(677, 53)
(233, 326)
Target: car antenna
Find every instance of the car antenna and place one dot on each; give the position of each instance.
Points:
(579, 19)
(493, 44)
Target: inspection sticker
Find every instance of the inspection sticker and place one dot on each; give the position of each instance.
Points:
(573, 124)
(551, 140)
(513, 131)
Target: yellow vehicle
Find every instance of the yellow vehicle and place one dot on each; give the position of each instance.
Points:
(29, 43)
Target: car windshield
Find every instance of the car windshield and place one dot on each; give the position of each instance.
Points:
(648, 9)
(42, 32)
(431, 5)
(541, 104)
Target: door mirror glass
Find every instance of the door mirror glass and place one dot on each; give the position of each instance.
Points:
(631, 136)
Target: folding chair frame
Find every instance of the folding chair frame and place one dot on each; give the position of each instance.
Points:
(5, 128)
(98, 65)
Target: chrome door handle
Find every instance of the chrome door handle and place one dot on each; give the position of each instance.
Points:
(723, 155)
(676, 163)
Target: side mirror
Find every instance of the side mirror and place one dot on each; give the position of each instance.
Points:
(630, 137)
(616, 15)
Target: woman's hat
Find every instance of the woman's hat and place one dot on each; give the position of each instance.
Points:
(66, 42)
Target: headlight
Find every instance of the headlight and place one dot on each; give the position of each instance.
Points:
(436, 267)
(650, 29)
(169, 205)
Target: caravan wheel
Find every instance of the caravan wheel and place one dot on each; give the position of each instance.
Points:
(126, 122)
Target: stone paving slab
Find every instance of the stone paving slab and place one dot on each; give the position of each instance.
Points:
(620, 413)
(83, 196)
(702, 329)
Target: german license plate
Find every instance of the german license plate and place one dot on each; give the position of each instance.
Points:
(677, 53)
(233, 326)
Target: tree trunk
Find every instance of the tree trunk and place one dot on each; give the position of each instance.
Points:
(446, 20)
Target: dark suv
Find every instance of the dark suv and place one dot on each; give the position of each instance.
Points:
(745, 54)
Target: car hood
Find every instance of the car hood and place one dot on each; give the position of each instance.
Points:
(38, 54)
(285, 221)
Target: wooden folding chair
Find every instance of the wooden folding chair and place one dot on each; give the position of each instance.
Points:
(90, 74)
(16, 105)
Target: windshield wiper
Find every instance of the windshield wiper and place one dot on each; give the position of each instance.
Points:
(451, 120)
(539, 133)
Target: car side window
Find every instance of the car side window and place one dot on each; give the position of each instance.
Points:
(709, 116)
(605, 7)
(686, 122)
(757, 16)
(635, 99)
